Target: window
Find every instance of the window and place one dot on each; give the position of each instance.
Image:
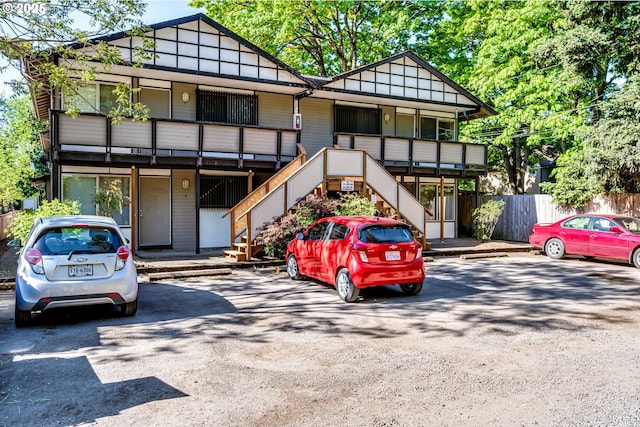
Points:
(603, 224)
(385, 234)
(83, 190)
(338, 232)
(59, 241)
(227, 108)
(430, 198)
(317, 231)
(437, 129)
(358, 120)
(446, 130)
(158, 102)
(90, 96)
(222, 192)
(428, 128)
(579, 222)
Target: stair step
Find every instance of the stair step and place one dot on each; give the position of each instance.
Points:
(236, 255)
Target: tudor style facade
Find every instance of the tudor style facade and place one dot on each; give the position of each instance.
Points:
(224, 116)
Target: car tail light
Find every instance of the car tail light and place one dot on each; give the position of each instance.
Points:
(34, 257)
(419, 252)
(123, 254)
(363, 256)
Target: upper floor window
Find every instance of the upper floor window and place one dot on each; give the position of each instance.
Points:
(437, 129)
(92, 98)
(158, 101)
(227, 107)
(357, 120)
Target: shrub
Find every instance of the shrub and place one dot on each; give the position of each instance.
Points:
(353, 204)
(485, 219)
(23, 221)
(276, 236)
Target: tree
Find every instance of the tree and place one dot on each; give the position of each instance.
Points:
(609, 163)
(20, 149)
(494, 48)
(32, 34)
(325, 38)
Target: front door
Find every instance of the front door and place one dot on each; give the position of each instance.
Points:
(155, 211)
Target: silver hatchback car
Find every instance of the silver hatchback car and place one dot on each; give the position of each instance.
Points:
(71, 261)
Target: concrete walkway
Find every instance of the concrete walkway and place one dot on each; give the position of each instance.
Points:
(169, 264)
(152, 262)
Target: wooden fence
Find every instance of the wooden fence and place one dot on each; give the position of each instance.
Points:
(521, 212)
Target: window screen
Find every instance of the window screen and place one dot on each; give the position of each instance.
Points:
(357, 120)
(222, 192)
(227, 108)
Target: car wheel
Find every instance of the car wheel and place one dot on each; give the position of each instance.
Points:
(292, 268)
(636, 258)
(411, 288)
(129, 309)
(345, 287)
(554, 248)
(22, 318)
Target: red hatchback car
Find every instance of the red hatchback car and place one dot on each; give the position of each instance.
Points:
(354, 252)
(607, 236)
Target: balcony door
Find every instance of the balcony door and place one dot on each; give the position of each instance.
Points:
(155, 211)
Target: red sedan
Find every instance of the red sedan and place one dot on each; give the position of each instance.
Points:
(607, 236)
(354, 252)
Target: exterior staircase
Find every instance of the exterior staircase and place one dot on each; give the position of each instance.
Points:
(278, 195)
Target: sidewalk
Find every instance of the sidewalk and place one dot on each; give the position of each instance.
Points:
(168, 264)
(149, 262)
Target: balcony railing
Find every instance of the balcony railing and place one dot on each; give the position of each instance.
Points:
(441, 156)
(173, 138)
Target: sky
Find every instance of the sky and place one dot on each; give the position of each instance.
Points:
(156, 11)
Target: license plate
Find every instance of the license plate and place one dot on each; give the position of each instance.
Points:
(80, 270)
(392, 255)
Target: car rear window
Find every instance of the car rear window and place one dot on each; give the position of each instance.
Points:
(385, 234)
(63, 240)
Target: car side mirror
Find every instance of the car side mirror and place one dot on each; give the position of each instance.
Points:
(15, 243)
(300, 236)
(615, 230)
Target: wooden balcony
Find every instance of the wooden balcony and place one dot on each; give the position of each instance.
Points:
(419, 156)
(92, 138)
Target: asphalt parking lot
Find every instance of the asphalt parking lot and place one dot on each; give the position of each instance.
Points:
(514, 340)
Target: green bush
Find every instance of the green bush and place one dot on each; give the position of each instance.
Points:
(23, 221)
(276, 236)
(485, 219)
(354, 204)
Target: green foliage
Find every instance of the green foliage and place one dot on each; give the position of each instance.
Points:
(485, 219)
(110, 199)
(30, 41)
(326, 37)
(23, 221)
(354, 204)
(20, 149)
(609, 162)
(277, 235)
(466, 184)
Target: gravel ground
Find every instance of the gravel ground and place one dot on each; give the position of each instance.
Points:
(505, 341)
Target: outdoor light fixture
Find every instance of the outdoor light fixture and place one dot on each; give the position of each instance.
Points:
(185, 183)
(185, 96)
(386, 117)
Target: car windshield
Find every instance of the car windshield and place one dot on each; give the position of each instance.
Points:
(631, 224)
(385, 234)
(64, 240)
